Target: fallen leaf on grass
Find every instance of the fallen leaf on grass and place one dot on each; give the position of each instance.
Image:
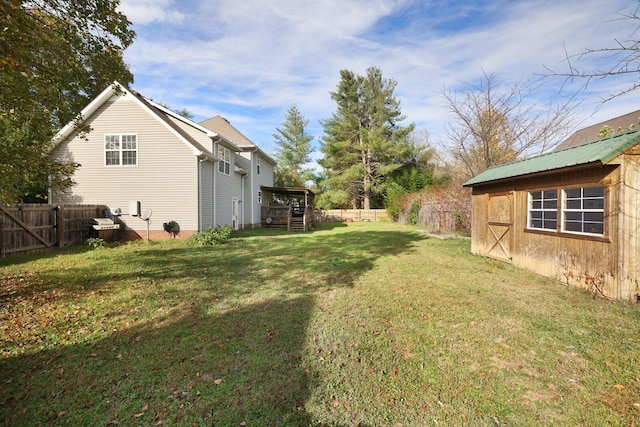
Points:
(218, 381)
(618, 386)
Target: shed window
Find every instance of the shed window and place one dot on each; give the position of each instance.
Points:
(543, 210)
(224, 164)
(121, 149)
(583, 210)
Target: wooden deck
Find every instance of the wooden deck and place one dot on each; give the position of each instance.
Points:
(291, 218)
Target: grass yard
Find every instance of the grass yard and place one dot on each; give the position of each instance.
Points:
(365, 324)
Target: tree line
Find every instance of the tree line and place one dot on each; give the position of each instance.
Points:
(57, 55)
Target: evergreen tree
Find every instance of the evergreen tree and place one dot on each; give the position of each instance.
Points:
(294, 150)
(363, 142)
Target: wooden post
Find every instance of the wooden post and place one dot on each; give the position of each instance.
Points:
(60, 226)
(1, 241)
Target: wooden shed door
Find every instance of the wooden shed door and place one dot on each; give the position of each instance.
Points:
(500, 225)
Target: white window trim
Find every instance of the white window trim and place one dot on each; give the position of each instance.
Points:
(259, 197)
(258, 165)
(224, 166)
(542, 209)
(564, 210)
(119, 150)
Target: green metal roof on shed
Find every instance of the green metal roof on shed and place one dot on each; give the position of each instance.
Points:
(599, 151)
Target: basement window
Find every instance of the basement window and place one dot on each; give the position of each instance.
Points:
(583, 210)
(543, 210)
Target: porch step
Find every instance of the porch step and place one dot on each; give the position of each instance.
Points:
(296, 224)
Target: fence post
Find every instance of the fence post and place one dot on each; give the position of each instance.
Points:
(60, 226)
(1, 238)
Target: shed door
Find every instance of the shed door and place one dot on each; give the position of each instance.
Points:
(500, 225)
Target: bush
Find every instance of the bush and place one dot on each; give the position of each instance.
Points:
(213, 235)
(94, 243)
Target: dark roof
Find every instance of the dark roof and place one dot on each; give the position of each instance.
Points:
(590, 133)
(600, 151)
(288, 190)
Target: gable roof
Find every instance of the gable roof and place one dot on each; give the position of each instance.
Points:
(164, 116)
(600, 151)
(590, 133)
(224, 127)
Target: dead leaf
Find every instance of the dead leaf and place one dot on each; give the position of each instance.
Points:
(618, 386)
(335, 403)
(218, 381)
(145, 407)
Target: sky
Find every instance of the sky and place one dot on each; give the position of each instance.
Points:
(251, 60)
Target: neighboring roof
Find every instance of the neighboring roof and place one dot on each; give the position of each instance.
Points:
(161, 114)
(224, 127)
(591, 132)
(600, 151)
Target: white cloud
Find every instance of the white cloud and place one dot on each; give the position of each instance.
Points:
(144, 12)
(250, 60)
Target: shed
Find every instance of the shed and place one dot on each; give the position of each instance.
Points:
(570, 214)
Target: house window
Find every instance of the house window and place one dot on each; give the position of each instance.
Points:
(583, 210)
(260, 197)
(225, 160)
(121, 150)
(258, 165)
(543, 210)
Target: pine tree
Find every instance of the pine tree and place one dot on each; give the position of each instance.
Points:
(363, 141)
(294, 150)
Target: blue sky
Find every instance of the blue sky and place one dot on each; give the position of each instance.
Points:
(250, 60)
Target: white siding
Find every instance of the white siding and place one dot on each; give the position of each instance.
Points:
(254, 182)
(165, 179)
(207, 171)
(227, 187)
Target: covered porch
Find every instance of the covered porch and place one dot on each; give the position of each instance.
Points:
(287, 207)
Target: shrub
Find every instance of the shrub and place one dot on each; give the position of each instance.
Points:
(95, 243)
(213, 235)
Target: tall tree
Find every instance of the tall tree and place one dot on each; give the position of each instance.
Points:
(363, 141)
(293, 150)
(55, 55)
(621, 58)
(494, 123)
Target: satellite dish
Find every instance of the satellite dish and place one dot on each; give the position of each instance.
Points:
(146, 214)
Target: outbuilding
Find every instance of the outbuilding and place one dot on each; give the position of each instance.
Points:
(571, 214)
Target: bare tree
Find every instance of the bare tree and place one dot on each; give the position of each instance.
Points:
(622, 58)
(495, 123)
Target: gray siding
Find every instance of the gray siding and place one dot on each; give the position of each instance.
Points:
(165, 179)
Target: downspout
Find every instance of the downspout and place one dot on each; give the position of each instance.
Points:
(200, 213)
(215, 185)
(242, 198)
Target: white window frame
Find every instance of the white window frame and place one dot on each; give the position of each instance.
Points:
(224, 164)
(258, 165)
(120, 139)
(259, 197)
(584, 207)
(543, 210)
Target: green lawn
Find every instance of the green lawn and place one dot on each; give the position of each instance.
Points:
(367, 324)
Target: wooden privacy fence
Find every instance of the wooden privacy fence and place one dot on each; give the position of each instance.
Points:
(332, 215)
(29, 228)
